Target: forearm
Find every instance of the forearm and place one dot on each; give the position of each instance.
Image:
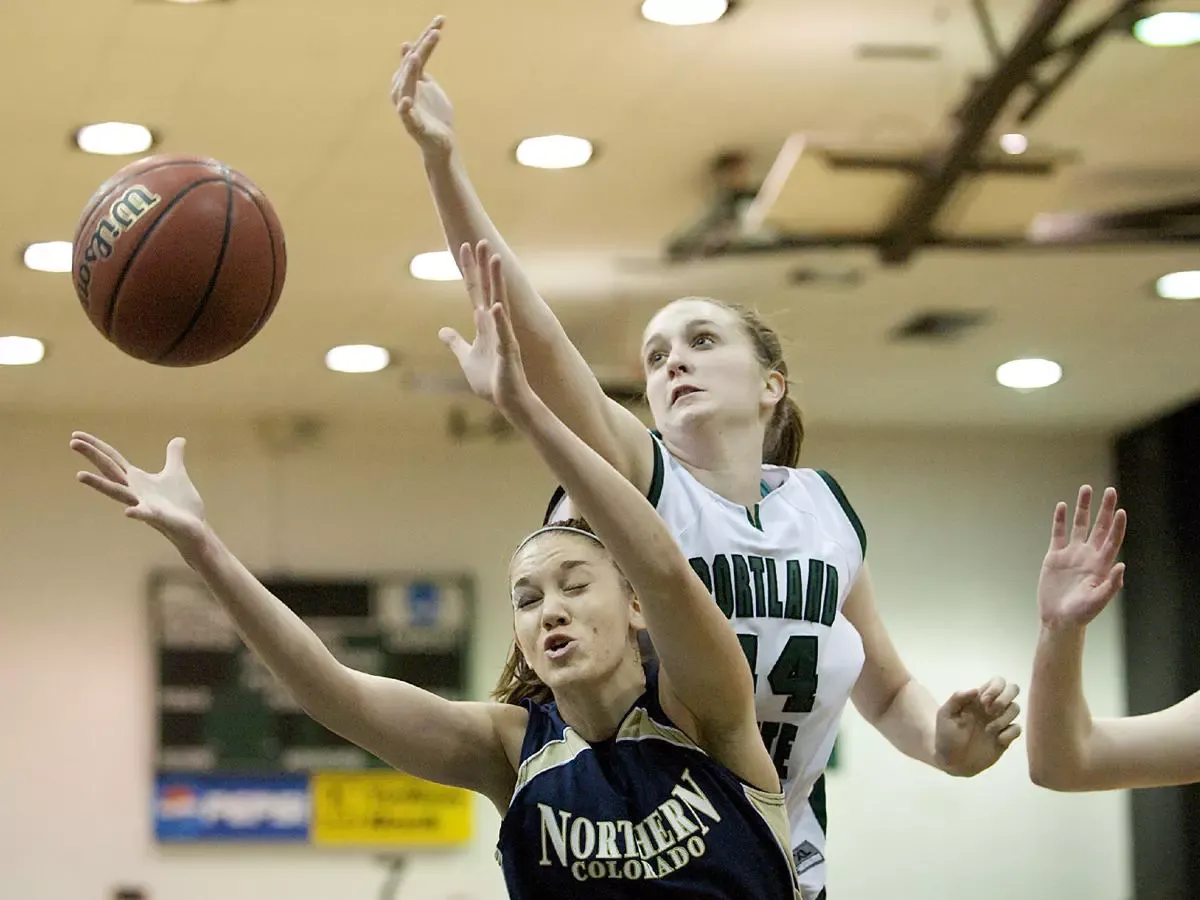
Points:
(465, 221)
(555, 368)
(685, 625)
(1059, 722)
(909, 722)
(288, 647)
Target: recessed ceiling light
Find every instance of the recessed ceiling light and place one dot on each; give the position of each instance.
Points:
(1029, 374)
(20, 351)
(1179, 286)
(114, 138)
(357, 358)
(437, 265)
(1168, 29)
(684, 12)
(49, 256)
(1014, 144)
(554, 151)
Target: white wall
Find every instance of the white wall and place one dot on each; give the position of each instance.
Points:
(957, 527)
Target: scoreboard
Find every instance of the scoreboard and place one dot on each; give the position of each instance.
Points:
(236, 758)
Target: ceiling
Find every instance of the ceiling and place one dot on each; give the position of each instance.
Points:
(294, 93)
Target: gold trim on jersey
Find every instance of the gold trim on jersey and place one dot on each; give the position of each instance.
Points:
(550, 756)
(639, 725)
(772, 806)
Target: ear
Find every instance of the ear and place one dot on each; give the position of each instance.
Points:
(774, 389)
(637, 621)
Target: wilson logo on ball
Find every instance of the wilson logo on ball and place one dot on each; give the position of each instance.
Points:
(122, 215)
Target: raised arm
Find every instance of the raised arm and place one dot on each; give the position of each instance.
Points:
(703, 673)
(555, 368)
(460, 744)
(1068, 749)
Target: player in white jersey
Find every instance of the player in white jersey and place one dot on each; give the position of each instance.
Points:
(717, 388)
(786, 608)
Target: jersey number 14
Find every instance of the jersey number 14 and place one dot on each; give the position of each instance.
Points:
(794, 674)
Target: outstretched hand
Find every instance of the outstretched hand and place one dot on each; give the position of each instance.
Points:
(976, 726)
(1080, 574)
(420, 102)
(166, 501)
(492, 362)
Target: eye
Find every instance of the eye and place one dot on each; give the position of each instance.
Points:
(703, 340)
(574, 588)
(654, 357)
(523, 600)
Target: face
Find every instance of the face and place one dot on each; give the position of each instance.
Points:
(573, 614)
(701, 367)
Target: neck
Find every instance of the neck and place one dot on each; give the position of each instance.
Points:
(727, 461)
(595, 710)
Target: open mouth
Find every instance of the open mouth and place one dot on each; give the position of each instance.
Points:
(558, 645)
(682, 391)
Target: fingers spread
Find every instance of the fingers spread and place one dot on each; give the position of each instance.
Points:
(119, 492)
(1058, 527)
(1083, 515)
(102, 461)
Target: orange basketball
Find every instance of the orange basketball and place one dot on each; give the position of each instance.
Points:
(179, 260)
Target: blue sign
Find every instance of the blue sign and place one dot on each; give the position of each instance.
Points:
(197, 807)
(423, 604)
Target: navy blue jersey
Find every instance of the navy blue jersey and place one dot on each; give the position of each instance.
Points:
(645, 813)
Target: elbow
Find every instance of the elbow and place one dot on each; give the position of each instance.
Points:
(1062, 775)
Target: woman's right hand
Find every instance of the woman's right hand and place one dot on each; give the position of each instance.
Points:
(166, 501)
(420, 102)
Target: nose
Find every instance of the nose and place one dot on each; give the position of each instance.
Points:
(554, 612)
(676, 363)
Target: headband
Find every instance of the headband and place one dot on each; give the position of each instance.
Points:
(567, 528)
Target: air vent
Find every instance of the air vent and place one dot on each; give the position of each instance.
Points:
(938, 325)
(900, 52)
(811, 276)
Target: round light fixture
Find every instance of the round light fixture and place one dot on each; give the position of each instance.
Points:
(1168, 29)
(357, 358)
(1014, 144)
(1179, 286)
(114, 138)
(1029, 374)
(20, 351)
(48, 256)
(684, 12)
(437, 265)
(554, 151)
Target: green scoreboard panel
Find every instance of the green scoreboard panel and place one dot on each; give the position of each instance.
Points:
(219, 709)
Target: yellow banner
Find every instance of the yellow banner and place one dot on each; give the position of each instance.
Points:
(388, 809)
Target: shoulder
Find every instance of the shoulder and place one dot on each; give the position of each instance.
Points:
(559, 507)
(827, 491)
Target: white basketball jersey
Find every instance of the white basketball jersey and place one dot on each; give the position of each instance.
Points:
(780, 571)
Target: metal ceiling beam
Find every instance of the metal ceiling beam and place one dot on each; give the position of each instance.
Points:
(912, 221)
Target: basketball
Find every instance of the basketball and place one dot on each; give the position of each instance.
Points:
(179, 260)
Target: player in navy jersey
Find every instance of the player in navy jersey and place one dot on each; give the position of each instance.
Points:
(780, 547)
(615, 778)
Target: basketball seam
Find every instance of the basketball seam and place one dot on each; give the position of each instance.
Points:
(269, 306)
(212, 282)
(111, 313)
(107, 195)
